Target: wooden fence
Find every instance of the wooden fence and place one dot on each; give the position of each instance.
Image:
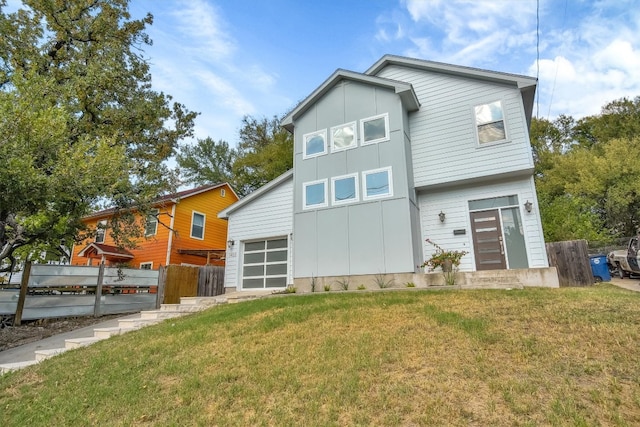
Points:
(571, 259)
(48, 291)
(178, 281)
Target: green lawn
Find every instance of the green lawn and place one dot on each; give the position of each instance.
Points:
(407, 357)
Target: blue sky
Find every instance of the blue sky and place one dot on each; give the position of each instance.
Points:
(229, 58)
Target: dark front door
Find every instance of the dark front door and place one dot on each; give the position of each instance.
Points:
(487, 240)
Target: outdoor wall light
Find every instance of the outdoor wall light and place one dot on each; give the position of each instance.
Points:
(230, 243)
(441, 215)
(528, 206)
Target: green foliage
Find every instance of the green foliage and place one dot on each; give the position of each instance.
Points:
(314, 282)
(206, 162)
(382, 282)
(361, 287)
(443, 259)
(327, 288)
(264, 152)
(587, 173)
(410, 285)
(290, 289)
(81, 127)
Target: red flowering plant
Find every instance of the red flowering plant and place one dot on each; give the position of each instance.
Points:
(442, 258)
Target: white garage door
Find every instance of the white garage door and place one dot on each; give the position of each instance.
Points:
(264, 264)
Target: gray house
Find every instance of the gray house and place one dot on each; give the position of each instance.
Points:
(385, 159)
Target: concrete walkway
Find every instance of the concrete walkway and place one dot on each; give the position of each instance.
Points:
(26, 351)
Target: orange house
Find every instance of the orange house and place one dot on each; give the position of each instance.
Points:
(184, 230)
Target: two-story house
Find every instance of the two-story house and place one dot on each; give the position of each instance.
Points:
(183, 228)
(385, 159)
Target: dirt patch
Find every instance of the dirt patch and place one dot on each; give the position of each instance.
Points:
(34, 330)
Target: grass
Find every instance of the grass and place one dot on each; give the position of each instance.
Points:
(521, 357)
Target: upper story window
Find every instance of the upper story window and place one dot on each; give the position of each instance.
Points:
(197, 225)
(101, 229)
(146, 265)
(343, 137)
(344, 189)
(375, 129)
(222, 192)
(490, 122)
(314, 194)
(377, 183)
(151, 226)
(314, 144)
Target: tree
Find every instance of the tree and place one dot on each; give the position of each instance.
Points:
(206, 162)
(80, 126)
(265, 151)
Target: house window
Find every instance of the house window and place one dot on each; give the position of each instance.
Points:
(264, 264)
(344, 189)
(375, 129)
(314, 194)
(315, 144)
(377, 183)
(151, 227)
(490, 122)
(222, 192)
(197, 225)
(343, 137)
(146, 265)
(101, 229)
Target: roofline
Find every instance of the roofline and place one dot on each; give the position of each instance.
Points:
(403, 89)
(165, 200)
(521, 81)
(224, 214)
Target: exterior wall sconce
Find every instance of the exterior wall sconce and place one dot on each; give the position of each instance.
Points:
(441, 215)
(230, 243)
(528, 206)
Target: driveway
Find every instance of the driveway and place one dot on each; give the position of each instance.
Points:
(631, 284)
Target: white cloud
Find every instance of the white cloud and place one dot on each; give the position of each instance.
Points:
(223, 92)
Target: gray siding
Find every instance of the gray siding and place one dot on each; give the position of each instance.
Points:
(443, 138)
(363, 237)
(270, 215)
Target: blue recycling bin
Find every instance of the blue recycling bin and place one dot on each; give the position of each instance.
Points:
(599, 268)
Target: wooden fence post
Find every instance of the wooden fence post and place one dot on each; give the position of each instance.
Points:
(24, 283)
(96, 306)
(162, 277)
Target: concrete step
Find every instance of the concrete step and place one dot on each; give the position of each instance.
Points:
(80, 342)
(182, 308)
(205, 301)
(45, 354)
(109, 332)
(137, 323)
(5, 368)
(159, 314)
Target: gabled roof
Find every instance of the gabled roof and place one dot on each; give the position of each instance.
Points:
(224, 214)
(98, 250)
(526, 84)
(404, 90)
(168, 199)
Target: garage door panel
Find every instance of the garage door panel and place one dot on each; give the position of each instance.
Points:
(265, 264)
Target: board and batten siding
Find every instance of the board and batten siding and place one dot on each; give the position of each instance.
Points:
(455, 204)
(270, 215)
(443, 134)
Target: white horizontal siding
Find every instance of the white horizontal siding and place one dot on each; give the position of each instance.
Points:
(455, 205)
(443, 136)
(270, 215)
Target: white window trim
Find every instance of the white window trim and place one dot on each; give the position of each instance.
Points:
(377, 196)
(476, 124)
(150, 264)
(386, 129)
(322, 133)
(155, 213)
(337, 202)
(204, 222)
(304, 194)
(102, 225)
(355, 137)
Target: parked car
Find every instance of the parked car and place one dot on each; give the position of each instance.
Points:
(624, 262)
